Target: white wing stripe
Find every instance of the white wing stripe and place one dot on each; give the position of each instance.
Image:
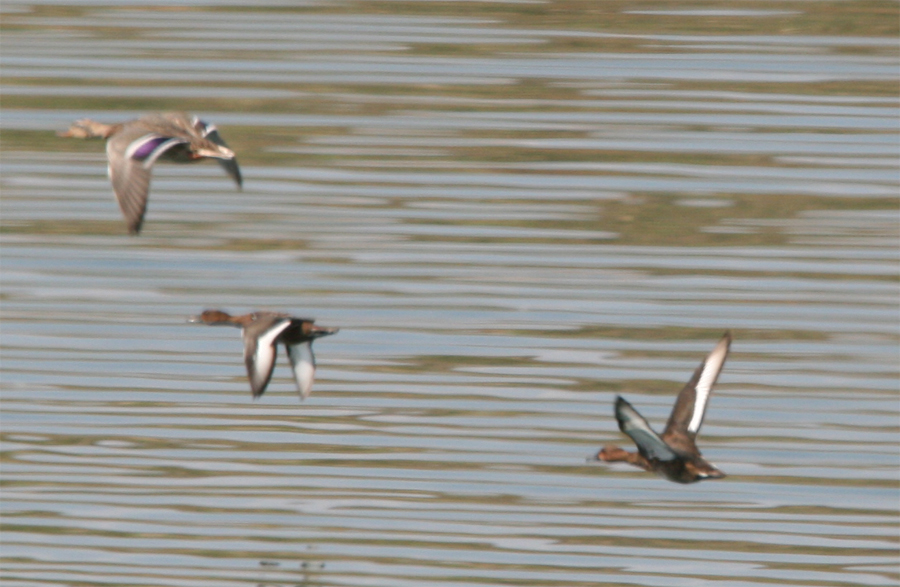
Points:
(263, 361)
(267, 338)
(711, 368)
(264, 358)
(304, 364)
(138, 143)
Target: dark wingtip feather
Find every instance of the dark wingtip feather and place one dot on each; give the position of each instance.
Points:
(620, 406)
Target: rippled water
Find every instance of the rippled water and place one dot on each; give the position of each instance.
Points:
(514, 212)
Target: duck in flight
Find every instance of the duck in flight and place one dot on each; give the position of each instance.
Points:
(133, 147)
(262, 331)
(674, 455)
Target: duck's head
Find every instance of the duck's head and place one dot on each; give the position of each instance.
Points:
(88, 129)
(211, 317)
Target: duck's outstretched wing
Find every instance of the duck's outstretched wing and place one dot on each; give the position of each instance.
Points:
(211, 133)
(303, 363)
(260, 351)
(298, 339)
(649, 443)
(131, 155)
(690, 407)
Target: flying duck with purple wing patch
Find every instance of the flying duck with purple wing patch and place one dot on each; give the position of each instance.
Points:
(133, 147)
(674, 455)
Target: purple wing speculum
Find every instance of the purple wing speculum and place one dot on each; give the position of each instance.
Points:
(148, 148)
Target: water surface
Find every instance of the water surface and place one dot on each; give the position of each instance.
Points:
(514, 212)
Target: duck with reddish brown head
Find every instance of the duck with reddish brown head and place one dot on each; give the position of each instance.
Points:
(133, 147)
(674, 455)
(262, 332)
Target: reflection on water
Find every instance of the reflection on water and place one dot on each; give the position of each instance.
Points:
(514, 213)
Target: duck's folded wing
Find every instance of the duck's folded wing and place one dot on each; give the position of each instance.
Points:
(259, 355)
(690, 407)
(649, 444)
(211, 133)
(303, 363)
